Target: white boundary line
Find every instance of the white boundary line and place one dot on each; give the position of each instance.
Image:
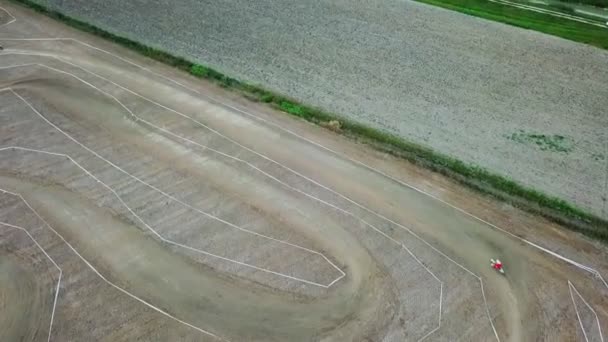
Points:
(87, 172)
(597, 320)
(9, 13)
(231, 157)
(104, 278)
(154, 231)
(10, 227)
(577, 314)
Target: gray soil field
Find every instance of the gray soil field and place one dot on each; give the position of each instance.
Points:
(522, 104)
(140, 204)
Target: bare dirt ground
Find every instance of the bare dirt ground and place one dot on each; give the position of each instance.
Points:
(464, 86)
(137, 203)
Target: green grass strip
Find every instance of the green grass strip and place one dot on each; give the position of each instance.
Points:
(561, 27)
(475, 177)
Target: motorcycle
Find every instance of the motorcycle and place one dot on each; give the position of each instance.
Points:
(497, 265)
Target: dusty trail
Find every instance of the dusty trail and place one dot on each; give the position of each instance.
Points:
(415, 267)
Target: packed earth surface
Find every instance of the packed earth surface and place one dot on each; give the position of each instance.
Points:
(139, 203)
(458, 84)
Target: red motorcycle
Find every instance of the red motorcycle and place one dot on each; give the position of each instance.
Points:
(497, 265)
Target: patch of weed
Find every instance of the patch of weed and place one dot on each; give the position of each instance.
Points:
(553, 143)
(266, 98)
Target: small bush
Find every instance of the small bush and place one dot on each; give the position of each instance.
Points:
(267, 98)
(226, 82)
(199, 70)
(332, 125)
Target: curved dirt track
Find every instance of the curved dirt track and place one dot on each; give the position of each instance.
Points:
(175, 216)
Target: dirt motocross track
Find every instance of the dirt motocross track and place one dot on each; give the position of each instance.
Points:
(138, 203)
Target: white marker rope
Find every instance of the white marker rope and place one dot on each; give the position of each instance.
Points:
(13, 19)
(571, 287)
(159, 236)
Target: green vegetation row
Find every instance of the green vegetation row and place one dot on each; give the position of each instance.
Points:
(561, 27)
(470, 175)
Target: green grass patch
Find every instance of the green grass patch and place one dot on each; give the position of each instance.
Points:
(568, 29)
(292, 108)
(473, 176)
